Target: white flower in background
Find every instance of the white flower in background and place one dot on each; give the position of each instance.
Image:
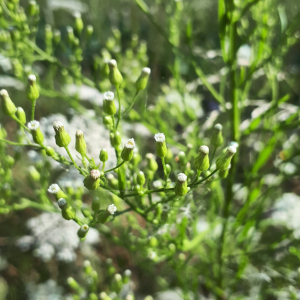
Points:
(33, 125)
(146, 70)
(159, 137)
(181, 177)
(112, 208)
(53, 188)
(48, 290)
(152, 255)
(109, 96)
(244, 55)
(53, 236)
(130, 144)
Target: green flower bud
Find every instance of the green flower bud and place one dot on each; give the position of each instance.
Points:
(115, 139)
(181, 187)
(82, 231)
(48, 34)
(80, 143)
(223, 161)
(56, 36)
(141, 178)
(70, 34)
(50, 151)
(151, 162)
(168, 170)
(105, 214)
(182, 158)
(202, 160)
(108, 122)
(21, 115)
(73, 284)
(103, 155)
(62, 138)
(224, 173)
(92, 181)
(86, 212)
(7, 105)
(161, 147)
(115, 76)
(217, 137)
(36, 132)
(55, 190)
(34, 174)
(89, 30)
(67, 211)
(9, 161)
(109, 106)
(127, 151)
(93, 296)
(32, 8)
(142, 81)
(78, 24)
(32, 90)
(96, 204)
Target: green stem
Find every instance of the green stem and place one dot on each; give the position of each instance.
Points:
(116, 167)
(204, 179)
(196, 177)
(27, 139)
(103, 167)
(165, 171)
(130, 106)
(33, 109)
(119, 113)
(71, 157)
(83, 161)
(21, 124)
(20, 144)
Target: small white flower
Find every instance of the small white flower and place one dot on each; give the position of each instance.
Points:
(129, 297)
(53, 188)
(150, 156)
(127, 273)
(130, 144)
(152, 255)
(204, 149)
(95, 174)
(218, 127)
(62, 202)
(79, 133)
(166, 207)
(231, 150)
(159, 137)
(33, 125)
(103, 295)
(32, 78)
(234, 144)
(86, 263)
(112, 208)
(112, 63)
(3, 93)
(146, 70)
(77, 15)
(118, 277)
(109, 96)
(84, 228)
(57, 125)
(181, 177)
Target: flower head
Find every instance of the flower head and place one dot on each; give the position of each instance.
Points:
(79, 133)
(53, 188)
(130, 144)
(218, 127)
(31, 78)
(231, 150)
(57, 125)
(112, 63)
(109, 96)
(95, 174)
(146, 70)
(85, 228)
(112, 208)
(159, 137)
(182, 177)
(62, 202)
(204, 149)
(33, 125)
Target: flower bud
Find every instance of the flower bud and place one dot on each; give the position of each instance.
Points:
(7, 105)
(109, 106)
(82, 231)
(80, 143)
(56, 36)
(202, 160)
(161, 147)
(89, 30)
(181, 187)
(223, 161)
(96, 204)
(34, 174)
(10, 161)
(217, 137)
(32, 8)
(168, 170)
(32, 90)
(62, 138)
(140, 179)
(67, 211)
(86, 212)
(78, 24)
(50, 151)
(92, 181)
(55, 189)
(182, 158)
(142, 81)
(103, 155)
(70, 34)
(73, 284)
(115, 139)
(224, 173)
(115, 76)
(20, 113)
(127, 151)
(151, 162)
(108, 122)
(36, 132)
(105, 214)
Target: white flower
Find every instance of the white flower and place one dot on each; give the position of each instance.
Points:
(181, 177)
(85, 228)
(146, 70)
(95, 174)
(234, 144)
(3, 93)
(79, 133)
(62, 202)
(33, 125)
(231, 150)
(53, 188)
(160, 137)
(57, 125)
(112, 63)
(109, 96)
(127, 273)
(130, 144)
(112, 208)
(118, 277)
(31, 78)
(218, 127)
(150, 156)
(77, 15)
(204, 149)
(152, 255)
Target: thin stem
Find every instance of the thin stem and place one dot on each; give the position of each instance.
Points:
(83, 161)
(27, 139)
(119, 113)
(20, 144)
(165, 171)
(130, 106)
(196, 177)
(33, 109)
(103, 167)
(116, 167)
(21, 124)
(71, 157)
(198, 182)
